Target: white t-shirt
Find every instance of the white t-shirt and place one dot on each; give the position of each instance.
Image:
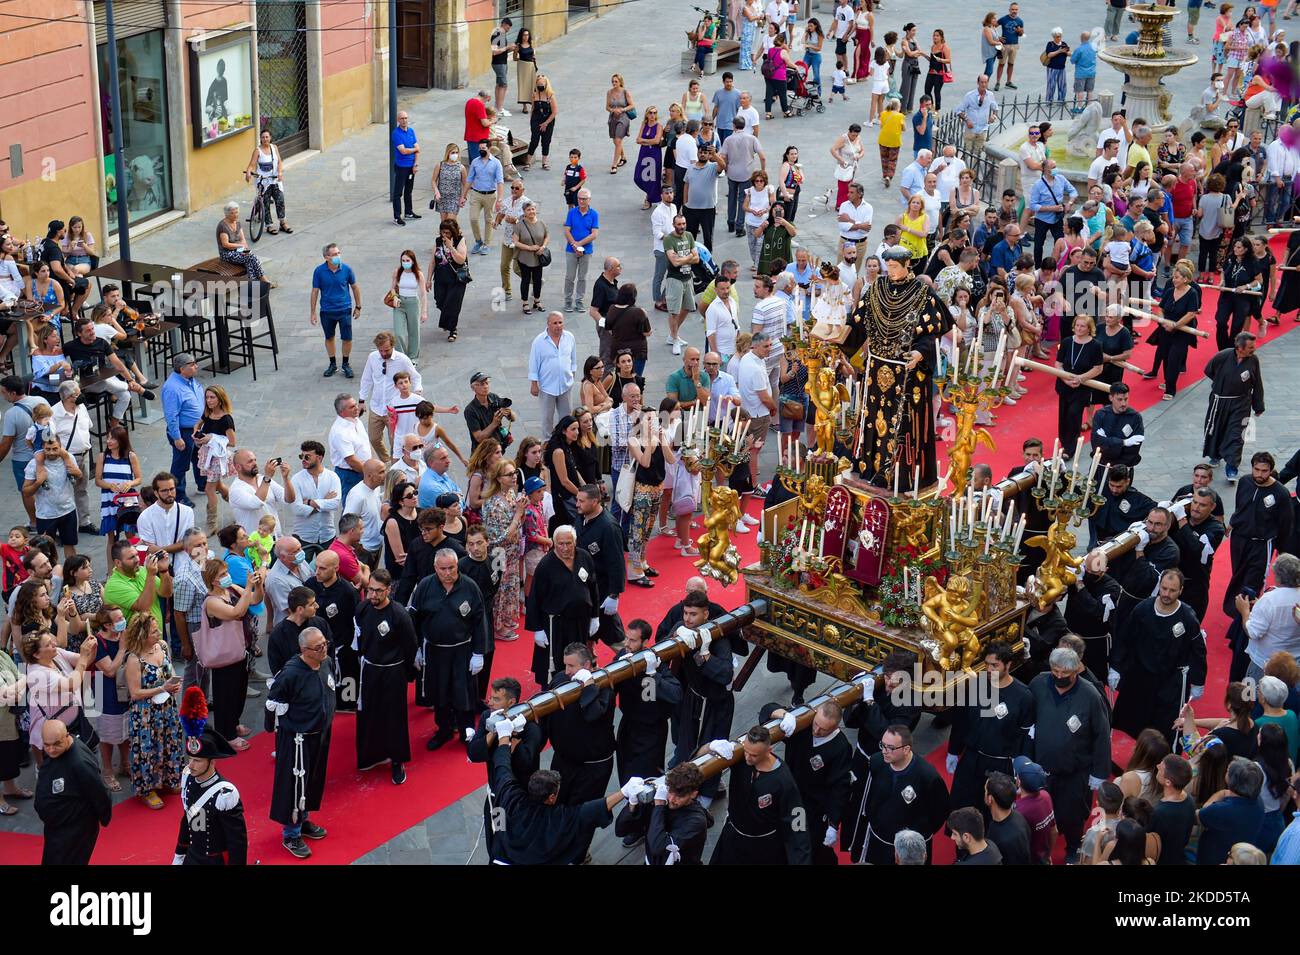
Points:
(246, 508)
(751, 382)
(777, 12)
(752, 118)
(1111, 133)
(843, 20)
(348, 437)
(949, 172)
(862, 213)
(406, 419)
(760, 199)
(932, 204)
(687, 151)
(848, 273)
(1118, 252)
(1100, 165)
(838, 79)
(365, 502)
(1037, 152)
(879, 78)
(720, 320)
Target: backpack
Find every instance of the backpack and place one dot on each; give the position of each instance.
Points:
(769, 65)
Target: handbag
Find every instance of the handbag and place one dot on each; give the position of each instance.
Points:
(392, 299)
(1226, 214)
(626, 485)
(946, 76)
(792, 409)
(630, 113)
(462, 274)
(1043, 58)
(221, 645)
(544, 258)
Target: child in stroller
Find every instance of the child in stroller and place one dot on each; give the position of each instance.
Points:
(806, 93)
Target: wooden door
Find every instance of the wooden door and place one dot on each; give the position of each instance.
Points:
(415, 43)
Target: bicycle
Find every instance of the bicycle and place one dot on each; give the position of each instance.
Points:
(726, 29)
(256, 222)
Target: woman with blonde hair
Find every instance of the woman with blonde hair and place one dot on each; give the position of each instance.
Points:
(482, 460)
(214, 437)
(621, 110)
(541, 120)
(503, 517)
(153, 724)
(449, 183)
(914, 227)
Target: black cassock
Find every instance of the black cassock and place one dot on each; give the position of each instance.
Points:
(303, 701)
(72, 801)
(525, 759)
(646, 703)
(766, 823)
(1151, 650)
(419, 564)
(987, 742)
(1237, 389)
(213, 831)
(1197, 544)
(562, 602)
(673, 619)
(537, 834)
(1091, 611)
(823, 771)
(707, 705)
(582, 742)
(488, 577)
(871, 720)
(672, 836)
(914, 798)
(450, 625)
(337, 604)
(1117, 514)
(282, 646)
(1288, 290)
(1261, 523)
(1037, 521)
(386, 646)
(602, 539)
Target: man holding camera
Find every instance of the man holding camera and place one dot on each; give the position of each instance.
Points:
(700, 193)
(251, 496)
(133, 588)
(487, 415)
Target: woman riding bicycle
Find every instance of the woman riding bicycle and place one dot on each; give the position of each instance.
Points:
(266, 166)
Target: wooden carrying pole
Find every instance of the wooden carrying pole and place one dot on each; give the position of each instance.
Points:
(1156, 318)
(1233, 291)
(1059, 373)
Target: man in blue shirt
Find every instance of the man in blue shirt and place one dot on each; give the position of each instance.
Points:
(334, 289)
(923, 127)
(1231, 815)
(552, 367)
(1049, 201)
(581, 226)
(435, 481)
(1012, 29)
(406, 155)
(1084, 59)
(1003, 260)
(485, 181)
(978, 109)
(182, 401)
(726, 102)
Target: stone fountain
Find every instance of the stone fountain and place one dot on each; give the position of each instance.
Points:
(1147, 63)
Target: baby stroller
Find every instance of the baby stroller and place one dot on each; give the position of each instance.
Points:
(129, 507)
(807, 94)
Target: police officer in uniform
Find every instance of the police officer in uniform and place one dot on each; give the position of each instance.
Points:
(213, 831)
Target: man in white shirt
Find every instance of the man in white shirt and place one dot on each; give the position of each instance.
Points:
(366, 500)
(747, 110)
(844, 18)
(948, 168)
(855, 215)
(1118, 130)
(685, 154)
(756, 401)
(318, 499)
(252, 496)
(1032, 154)
(378, 391)
(661, 223)
(73, 430)
(769, 320)
(1108, 156)
(778, 11)
(552, 367)
(410, 465)
(349, 445)
(163, 523)
(721, 324)
(1280, 168)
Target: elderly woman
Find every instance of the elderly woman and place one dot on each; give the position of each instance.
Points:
(531, 236)
(219, 643)
(503, 516)
(563, 604)
(72, 425)
(54, 678)
(776, 239)
(153, 724)
(232, 247)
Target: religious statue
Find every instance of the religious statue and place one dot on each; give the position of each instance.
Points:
(910, 525)
(952, 617)
(828, 395)
(895, 326)
(962, 450)
(719, 559)
(813, 498)
(830, 307)
(1056, 573)
(1082, 139)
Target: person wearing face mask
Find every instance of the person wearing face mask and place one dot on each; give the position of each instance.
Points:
(188, 593)
(107, 625)
(1071, 741)
(821, 760)
(449, 184)
(220, 645)
(290, 569)
(541, 121)
(410, 304)
(486, 184)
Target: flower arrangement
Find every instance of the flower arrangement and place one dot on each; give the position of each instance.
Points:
(792, 565)
(898, 602)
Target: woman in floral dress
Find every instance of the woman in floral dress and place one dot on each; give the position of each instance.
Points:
(503, 514)
(153, 727)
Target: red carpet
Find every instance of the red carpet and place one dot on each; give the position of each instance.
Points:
(364, 810)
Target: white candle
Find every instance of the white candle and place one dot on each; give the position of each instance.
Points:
(821, 542)
(1096, 460)
(970, 507)
(1020, 531)
(916, 482)
(895, 479)
(977, 346)
(952, 523)
(1105, 478)
(938, 362)
(1010, 521)
(1042, 469)
(798, 454)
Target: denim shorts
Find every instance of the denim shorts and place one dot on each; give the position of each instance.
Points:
(329, 321)
(500, 70)
(1183, 230)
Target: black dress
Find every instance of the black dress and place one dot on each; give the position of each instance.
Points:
(1171, 347)
(448, 290)
(1077, 359)
(616, 389)
(587, 460)
(1288, 290)
(1116, 344)
(1234, 308)
(564, 502)
(407, 530)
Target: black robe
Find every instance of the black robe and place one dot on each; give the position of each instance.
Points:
(1236, 389)
(450, 626)
(672, 836)
(211, 834)
(1287, 298)
(1261, 523)
(1290, 471)
(537, 834)
(562, 602)
(766, 821)
(303, 700)
(582, 742)
(602, 539)
(1091, 612)
(987, 742)
(871, 720)
(1197, 544)
(337, 604)
(646, 704)
(419, 564)
(525, 759)
(914, 798)
(708, 704)
(488, 578)
(1117, 514)
(1151, 651)
(673, 619)
(282, 646)
(823, 771)
(73, 802)
(386, 646)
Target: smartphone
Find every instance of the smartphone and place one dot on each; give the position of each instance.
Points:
(275, 462)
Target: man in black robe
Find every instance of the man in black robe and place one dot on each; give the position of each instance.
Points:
(525, 742)
(766, 819)
(646, 705)
(478, 566)
(1198, 537)
(1117, 429)
(821, 760)
(563, 605)
(1090, 612)
(537, 828)
(1236, 390)
(674, 824)
(673, 618)
(302, 699)
(599, 535)
(448, 613)
(336, 602)
(1123, 504)
(901, 791)
(1037, 520)
(1261, 520)
(1154, 547)
(420, 553)
(1158, 662)
(707, 705)
(71, 798)
(988, 734)
(301, 611)
(386, 644)
(213, 831)
(582, 734)
(1202, 477)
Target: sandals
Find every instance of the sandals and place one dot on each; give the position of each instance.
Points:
(272, 230)
(239, 744)
(640, 582)
(285, 229)
(613, 170)
(651, 572)
(451, 337)
(622, 162)
(21, 794)
(111, 782)
(546, 164)
(152, 800)
(8, 810)
(527, 309)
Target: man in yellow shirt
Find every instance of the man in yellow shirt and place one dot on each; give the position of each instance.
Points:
(1140, 150)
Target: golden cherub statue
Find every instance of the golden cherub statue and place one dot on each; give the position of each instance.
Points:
(827, 395)
(1057, 572)
(951, 614)
(910, 526)
(718, 557)
(813, 500)
(963, 447)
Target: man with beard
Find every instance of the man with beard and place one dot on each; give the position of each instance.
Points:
(821, 761)
(1091, 609)
(646, 705)
(900, 791)
(707, 702)
(477, 566)
(563, 606)
(1159, 655)
(336, 601)
(1261, 520)
(985, 739)
(1154, 548)
(386, 643)
(581, 735)
(447, 610)
(419, 555)
(525, 744)
(1198, 536)
(765, 814)
(600, 537)
(674, 824)
(1236, 392)
(1202, 477)
(673, 618)
(1122, 505)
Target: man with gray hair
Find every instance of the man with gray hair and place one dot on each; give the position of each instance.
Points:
(1270, 622)
(552, 368)
(563, 606)
(435, 481)
(1231, 815)
(349, 444)
(290, 570)
(754, 382)
(909, 847)
(622, 419)
(1071, 741)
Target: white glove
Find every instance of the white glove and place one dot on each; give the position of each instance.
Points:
(610, 605)
(723, 747)
(831, 835)
(868, 686)
(789, 724)
(1198, 692)
(504, 729)
(705, 641)
(178, 859)
(632, 787)
(582, 676)
(419, 660)
(593, 626)
(539, 638)
(1099, 432)
(476, 664)
(737, 661)
(1094, 782)
(519, 723)
(1032, 729)
(1179, 511)
(951, 763)
(661, 789)
(688, 636)
(1134, 441)
(1112, 679)
(651, 663)
(470, 733)
(1136, 526)
(1143, 539)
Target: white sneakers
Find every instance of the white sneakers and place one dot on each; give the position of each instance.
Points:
(751, 521)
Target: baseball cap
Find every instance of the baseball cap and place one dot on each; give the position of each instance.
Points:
(478, 376)
(534, 484)
(1031, 776)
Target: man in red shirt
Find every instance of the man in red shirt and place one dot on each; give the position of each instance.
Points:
(1034, 802)
(344, 545)
(477, 125)
(1183, 194)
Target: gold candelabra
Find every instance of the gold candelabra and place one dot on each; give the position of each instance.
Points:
(971, 386)
(1071, 498)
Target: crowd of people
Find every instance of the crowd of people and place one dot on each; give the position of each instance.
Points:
(332, 587)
